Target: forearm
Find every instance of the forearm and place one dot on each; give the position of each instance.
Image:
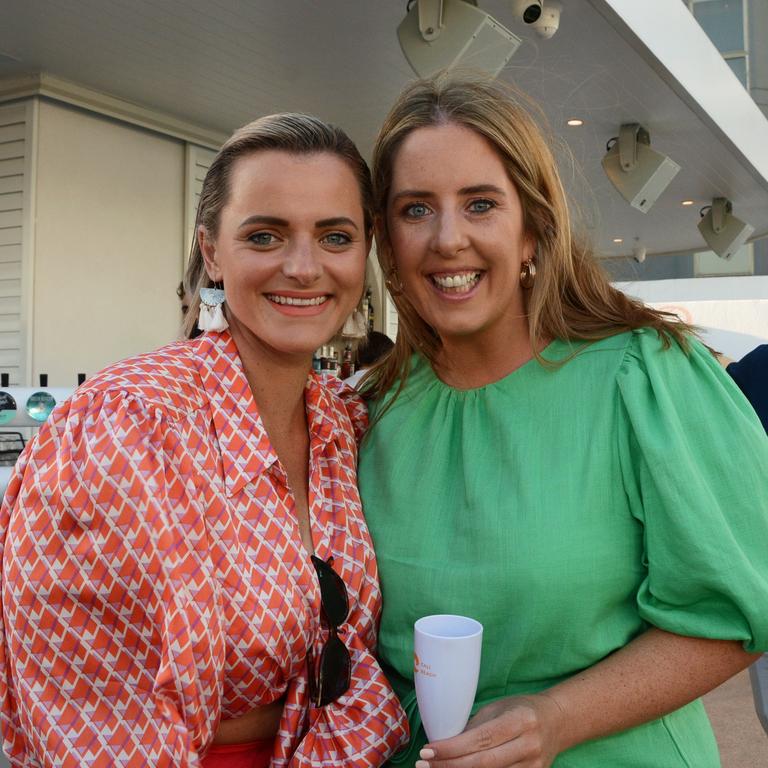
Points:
(656, 673)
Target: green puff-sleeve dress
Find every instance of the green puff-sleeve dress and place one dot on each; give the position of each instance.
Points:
(567, 509)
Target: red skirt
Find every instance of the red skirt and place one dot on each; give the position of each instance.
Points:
(251, 754)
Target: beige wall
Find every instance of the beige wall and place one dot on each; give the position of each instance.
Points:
(108, 242)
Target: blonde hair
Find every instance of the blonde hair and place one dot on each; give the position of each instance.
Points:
(571, 297)
(289, 132)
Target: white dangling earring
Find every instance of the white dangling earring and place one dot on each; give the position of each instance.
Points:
(211, 317)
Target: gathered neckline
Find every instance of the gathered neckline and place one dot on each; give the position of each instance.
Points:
(422, 363)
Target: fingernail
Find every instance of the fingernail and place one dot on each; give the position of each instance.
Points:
(426, 754)
(421, 763)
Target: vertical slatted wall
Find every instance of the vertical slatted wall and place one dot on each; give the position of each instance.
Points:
(13, 131)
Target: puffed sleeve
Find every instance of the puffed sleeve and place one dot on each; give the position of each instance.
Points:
(98, 651)
(695, 466)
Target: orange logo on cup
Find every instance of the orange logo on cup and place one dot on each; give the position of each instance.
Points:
(421, 669)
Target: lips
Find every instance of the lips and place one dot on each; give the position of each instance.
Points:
(456, 282)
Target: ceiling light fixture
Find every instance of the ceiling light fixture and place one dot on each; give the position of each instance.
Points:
(721, 230)
(618, 239)
(574, 122)
(639, 173)
(686, 202)
(443, 34)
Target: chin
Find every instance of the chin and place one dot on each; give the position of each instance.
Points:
(457, 327)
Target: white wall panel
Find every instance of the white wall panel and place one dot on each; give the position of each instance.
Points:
(109, 212)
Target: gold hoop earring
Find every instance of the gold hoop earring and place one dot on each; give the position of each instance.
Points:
(527, 274)
(393, 284)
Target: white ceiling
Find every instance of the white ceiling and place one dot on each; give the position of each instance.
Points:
(220, 63)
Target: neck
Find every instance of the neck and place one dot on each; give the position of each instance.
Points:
(466, 362)
(277, 382)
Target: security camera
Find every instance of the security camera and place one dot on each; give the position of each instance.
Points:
(721, 230)
(639, 173)
(549, 20)
(527, 11)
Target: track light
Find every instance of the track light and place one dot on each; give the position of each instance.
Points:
(442, 34)
(721, 230)
(638, 172)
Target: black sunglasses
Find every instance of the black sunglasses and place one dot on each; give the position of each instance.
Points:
(329, 678)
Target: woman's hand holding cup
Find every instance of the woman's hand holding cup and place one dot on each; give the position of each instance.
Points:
(519, 731)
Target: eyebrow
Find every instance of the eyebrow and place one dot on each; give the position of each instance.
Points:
(475, 189)
(276, 221)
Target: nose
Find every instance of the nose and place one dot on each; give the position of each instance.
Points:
(449, 237)
(301, 263)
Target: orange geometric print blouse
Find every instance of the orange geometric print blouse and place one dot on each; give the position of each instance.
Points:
(154, 579)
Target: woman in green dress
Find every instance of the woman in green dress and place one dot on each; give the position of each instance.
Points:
(565, 465)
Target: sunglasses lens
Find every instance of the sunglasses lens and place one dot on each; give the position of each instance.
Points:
(335, 671)
(333, 593)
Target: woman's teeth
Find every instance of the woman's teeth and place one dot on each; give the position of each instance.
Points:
(297, 302)
(460, 283)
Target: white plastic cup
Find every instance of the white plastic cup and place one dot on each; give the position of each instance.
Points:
(446, 652)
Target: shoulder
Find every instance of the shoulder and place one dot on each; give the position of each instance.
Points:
(649, 353)
(343, 404)
(166, 378)
(682, 383)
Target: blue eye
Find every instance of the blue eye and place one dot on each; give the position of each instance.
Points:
(337, 238)
(416, 210)
(262, 238)
(481, 206)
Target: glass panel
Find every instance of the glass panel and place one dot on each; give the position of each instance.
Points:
(739, 67)
(723, 21)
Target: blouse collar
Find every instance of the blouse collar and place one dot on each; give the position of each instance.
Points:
(246, 449)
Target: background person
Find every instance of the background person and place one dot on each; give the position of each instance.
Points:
(751, 374)
(179, 538)
(552, 458)
(370, 350)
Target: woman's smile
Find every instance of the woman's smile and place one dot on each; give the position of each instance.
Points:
(454, 285)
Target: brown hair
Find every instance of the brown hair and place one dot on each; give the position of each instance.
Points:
(571, 297)
(289, 132)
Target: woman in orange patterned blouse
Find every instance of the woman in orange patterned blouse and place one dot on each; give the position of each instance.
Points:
(187, 577)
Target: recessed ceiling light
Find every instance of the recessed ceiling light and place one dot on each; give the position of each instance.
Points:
(618, 239)
(686, 202)
(574, 122)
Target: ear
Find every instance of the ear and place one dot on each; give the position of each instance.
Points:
(208, 249)
(530, 248)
